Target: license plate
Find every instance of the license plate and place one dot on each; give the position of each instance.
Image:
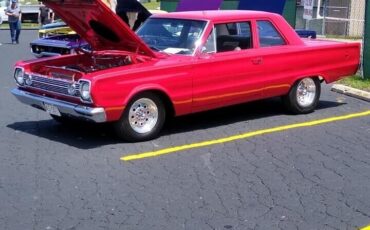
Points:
(51, 109)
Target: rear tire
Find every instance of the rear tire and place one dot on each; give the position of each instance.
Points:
(143, 118)
(304, 96)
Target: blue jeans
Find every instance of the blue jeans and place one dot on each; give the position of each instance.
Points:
(15, 30)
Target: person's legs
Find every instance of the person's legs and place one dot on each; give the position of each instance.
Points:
(43, 20)
(12, 31)
(18, 31)
(132, 17)
(123, 16)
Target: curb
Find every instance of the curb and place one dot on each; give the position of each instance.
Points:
(349, 91)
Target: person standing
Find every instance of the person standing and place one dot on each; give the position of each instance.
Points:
(111, 4)
(44, 14)
(132, 12)
(14, 18)
(128, 11)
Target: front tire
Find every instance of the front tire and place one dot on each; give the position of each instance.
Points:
(304, 96)
(143, 118)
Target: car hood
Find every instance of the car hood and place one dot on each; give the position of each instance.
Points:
(98, 25)
(53, 25)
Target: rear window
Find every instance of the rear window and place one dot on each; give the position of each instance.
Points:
(269, 35)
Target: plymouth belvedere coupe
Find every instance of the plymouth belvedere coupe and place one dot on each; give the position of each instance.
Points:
(176, 64)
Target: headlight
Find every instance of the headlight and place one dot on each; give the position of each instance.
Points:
(85, 90)
(28, 79)
(18, 76)
(72, 89)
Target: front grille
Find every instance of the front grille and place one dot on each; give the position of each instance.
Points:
(53, 85)
(38, 49)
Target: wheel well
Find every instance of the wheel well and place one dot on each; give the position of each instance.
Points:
(170, 110)
(321, 79)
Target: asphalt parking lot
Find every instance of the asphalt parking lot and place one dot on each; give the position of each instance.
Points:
(58, 177)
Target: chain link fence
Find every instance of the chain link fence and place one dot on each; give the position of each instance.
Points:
(334, 18)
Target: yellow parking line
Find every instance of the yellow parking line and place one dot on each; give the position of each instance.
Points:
(365, 228)
(242, 136)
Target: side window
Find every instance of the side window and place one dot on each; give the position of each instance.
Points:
(268, 35)
(210, 46)
(233, 36)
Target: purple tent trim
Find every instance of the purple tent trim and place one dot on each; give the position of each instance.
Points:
(189, 5)
(274, 6)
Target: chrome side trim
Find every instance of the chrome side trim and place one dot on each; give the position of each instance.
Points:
(95, 114)
(45, 54)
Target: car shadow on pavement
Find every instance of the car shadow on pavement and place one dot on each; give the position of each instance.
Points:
(85, 135)
(233, 114)
(82, 135)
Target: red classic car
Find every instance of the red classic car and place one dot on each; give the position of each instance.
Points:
(176, 64)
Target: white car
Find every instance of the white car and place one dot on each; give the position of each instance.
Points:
(3, 16)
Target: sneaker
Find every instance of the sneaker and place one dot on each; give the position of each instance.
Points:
(13, 42)
(17, 42)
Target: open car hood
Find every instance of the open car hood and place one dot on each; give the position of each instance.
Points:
(98, 25)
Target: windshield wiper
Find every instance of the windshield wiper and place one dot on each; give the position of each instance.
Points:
(158, 50)
(155, 48)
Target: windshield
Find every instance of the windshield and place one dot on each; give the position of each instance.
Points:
(173, 36)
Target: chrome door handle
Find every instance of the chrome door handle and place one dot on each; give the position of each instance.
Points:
(257, 61)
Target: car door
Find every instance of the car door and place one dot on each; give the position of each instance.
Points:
(227, 71)
(276, 56)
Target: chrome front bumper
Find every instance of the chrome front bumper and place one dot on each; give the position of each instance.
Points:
(65, 108)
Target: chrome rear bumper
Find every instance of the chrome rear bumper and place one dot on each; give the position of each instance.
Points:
(65, 108)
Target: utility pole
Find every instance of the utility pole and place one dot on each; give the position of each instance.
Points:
(324, 15)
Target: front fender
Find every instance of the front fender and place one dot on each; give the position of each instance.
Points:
(147, 87)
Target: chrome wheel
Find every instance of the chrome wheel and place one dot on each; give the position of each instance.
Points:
(143, 115)
(306, 92)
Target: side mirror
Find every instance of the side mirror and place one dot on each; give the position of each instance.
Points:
(204, 50)
(206, 54)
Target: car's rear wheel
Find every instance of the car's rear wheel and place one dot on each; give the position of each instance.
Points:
(142, 119)
(304, 96)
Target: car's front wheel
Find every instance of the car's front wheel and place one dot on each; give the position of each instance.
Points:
(304, 96)
(142, 119)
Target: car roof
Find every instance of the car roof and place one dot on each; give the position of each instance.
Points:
(217, 15)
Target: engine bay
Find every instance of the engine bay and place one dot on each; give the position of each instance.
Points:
(100, 62)
(84, 63)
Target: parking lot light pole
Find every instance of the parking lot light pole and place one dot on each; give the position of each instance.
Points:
(366, 42)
